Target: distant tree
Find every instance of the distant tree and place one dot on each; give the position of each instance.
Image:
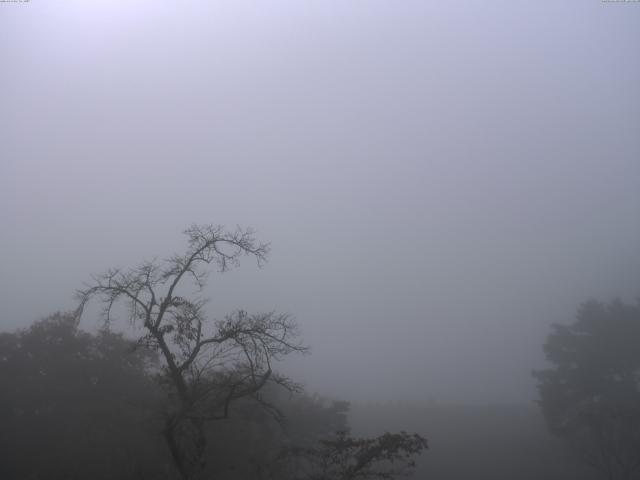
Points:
(208, 366)
(77, 405)
(591, 395)
(313, 418)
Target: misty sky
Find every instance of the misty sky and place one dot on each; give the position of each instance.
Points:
(440, 181)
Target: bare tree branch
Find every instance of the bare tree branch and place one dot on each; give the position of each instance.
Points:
(208, 371)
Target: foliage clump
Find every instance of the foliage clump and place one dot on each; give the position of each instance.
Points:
(591, 395)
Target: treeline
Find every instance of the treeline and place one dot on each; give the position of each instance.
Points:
(75, 405)
(194, 397)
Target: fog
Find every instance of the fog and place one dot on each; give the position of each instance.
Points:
(439, 181)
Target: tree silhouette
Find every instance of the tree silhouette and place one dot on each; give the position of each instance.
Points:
(343, 457)
(591, 395)
(207, 365)
(77, 405)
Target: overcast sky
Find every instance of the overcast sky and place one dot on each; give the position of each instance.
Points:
(440, 181)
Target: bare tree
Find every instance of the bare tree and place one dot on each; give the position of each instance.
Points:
(207, 365)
